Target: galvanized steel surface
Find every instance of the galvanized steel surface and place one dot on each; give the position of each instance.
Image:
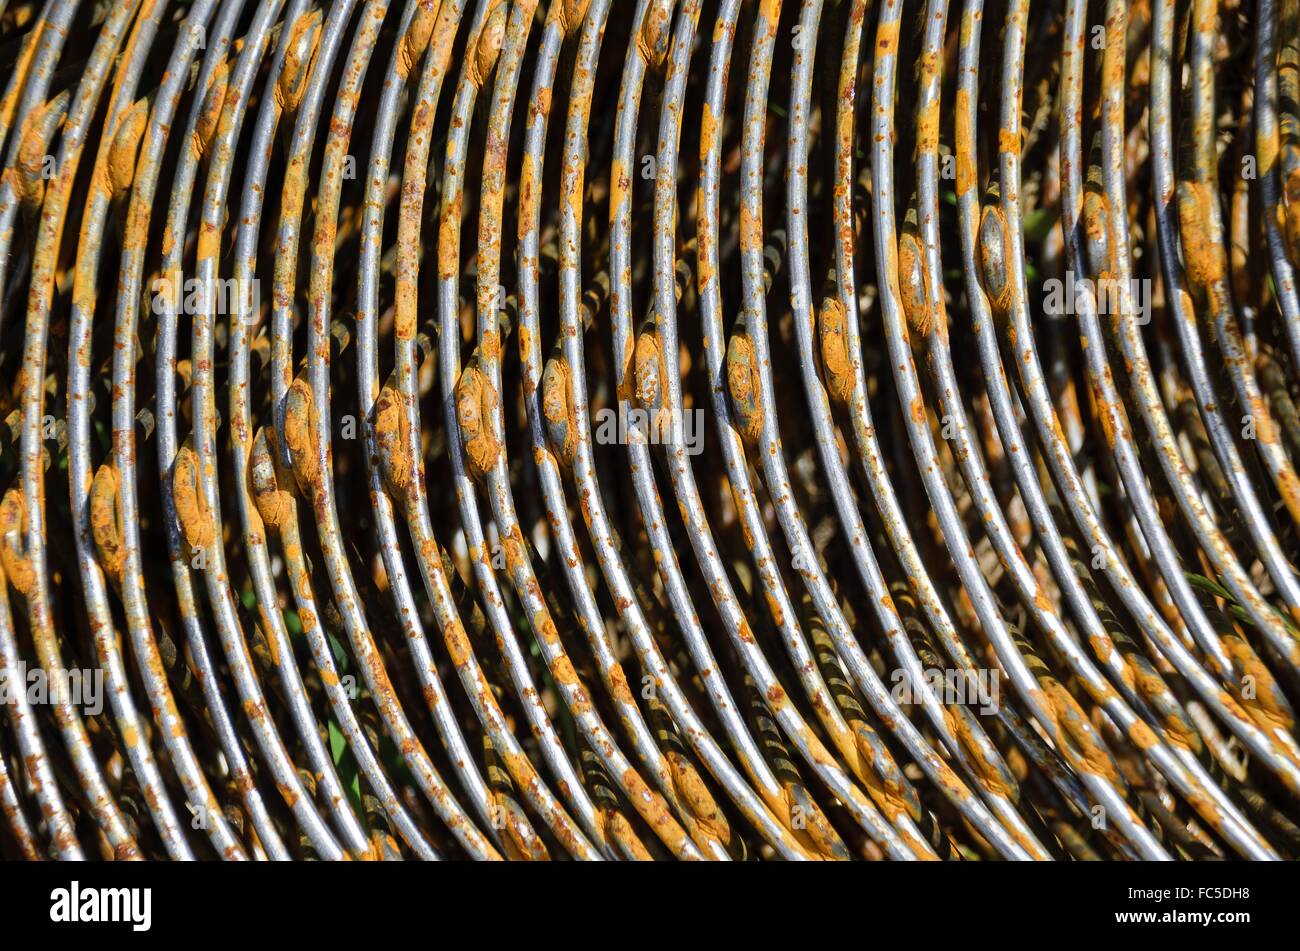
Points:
(630, 429)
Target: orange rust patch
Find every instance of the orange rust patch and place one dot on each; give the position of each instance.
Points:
(449, 237)
(911, 285)
(476, 406)
(457, 644)
(708, 130)
(1264, 708)
(650, 372)
(964, 151)
(927, 129)
(210, 114)
(563, 672)
(126, 147)
(652, 40)
(568, 14)
(620, 830)
(106, 521)
(840, 378)
(29, 168)
(1086, 753)
(751, 228)
(619, 183)
(273, 504)
(887, 37)
(697, 798)
(191, 505)
(557, 409)
(13, 522)
(1292, 230)
(416, 40)
(299, 56)
(392, 430)
(488, 47)
(743, 385)
(1204, 258)
(299, 434)
(1142, 736)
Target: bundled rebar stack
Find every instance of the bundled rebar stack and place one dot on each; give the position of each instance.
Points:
(625, 429)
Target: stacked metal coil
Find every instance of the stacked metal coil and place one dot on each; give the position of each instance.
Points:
(631, 429)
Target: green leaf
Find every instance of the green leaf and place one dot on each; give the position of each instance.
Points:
(346, 763)
(340, 655)
(1205, 584)
(338, 742)
(1236, 609)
